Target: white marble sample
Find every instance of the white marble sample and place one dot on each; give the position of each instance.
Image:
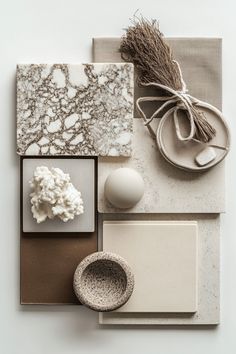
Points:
(53, 195)
(208, 308)
(82, 175)
(163, 258)
(74, 109)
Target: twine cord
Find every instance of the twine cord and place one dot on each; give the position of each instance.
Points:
(181, 101)
(176, 98)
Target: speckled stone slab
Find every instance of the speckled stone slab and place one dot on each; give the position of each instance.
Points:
(167, 188)
(208, 307)
(74, 109)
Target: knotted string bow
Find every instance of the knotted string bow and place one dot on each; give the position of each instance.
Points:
(181, 101)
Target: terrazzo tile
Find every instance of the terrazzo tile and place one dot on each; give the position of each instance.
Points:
(74, 109)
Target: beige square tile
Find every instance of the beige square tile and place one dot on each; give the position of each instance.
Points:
(163, 256)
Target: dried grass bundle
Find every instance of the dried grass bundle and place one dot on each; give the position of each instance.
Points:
(144, 46)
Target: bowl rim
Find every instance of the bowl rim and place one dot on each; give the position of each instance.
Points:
(100, 256)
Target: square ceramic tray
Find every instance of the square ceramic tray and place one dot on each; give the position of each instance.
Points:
(82, 172)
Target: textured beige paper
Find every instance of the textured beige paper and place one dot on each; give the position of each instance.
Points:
(163, 258)
(168, 189)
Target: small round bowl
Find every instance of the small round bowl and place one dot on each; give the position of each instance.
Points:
(103, 281)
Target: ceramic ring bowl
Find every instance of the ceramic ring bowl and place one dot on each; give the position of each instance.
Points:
(181, 155)
(103, 281)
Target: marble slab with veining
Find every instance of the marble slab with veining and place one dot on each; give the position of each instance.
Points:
(75, 109)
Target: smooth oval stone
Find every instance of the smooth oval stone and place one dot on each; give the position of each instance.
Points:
(124, 188)
(205, 156)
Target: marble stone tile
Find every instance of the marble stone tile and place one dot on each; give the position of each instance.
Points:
(74, 109)
(208, 307)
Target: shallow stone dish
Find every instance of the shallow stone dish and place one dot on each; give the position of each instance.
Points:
(103, 281)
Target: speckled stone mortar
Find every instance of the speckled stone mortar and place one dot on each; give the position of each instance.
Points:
(103, 281)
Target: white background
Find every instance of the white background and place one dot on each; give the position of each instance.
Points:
(61, 31)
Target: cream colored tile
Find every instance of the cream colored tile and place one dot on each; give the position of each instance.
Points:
(163, 256)
(208, 308)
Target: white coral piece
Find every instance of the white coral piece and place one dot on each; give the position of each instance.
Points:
(54, 195)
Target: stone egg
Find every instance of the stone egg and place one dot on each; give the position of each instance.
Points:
(124, 188)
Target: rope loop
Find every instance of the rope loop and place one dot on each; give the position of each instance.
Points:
(182, 101)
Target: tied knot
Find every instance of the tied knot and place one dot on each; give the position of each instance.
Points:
(179, 100)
